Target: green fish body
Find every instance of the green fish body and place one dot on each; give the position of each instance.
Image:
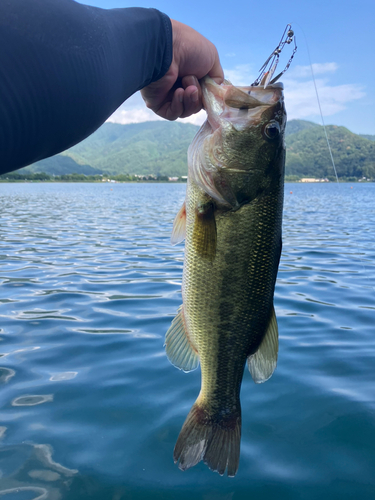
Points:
(231, 221)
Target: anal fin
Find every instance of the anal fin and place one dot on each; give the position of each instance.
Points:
(180, 350)
(263, 362)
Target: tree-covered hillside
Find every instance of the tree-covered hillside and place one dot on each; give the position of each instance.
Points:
(160, 148)
(308, 154)
(295, 126)
(61, 165)
(369, 137)
(157, 148)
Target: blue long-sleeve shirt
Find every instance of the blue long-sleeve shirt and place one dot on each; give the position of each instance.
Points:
(65, 67)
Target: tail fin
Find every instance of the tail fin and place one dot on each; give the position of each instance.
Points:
(215, 440)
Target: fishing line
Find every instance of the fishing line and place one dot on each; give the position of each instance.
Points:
(328, 143)
(319, 105)
(266, 73)
(268, 69)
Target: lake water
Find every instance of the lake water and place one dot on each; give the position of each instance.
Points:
(90, 406)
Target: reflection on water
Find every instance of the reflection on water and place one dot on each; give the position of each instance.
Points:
(31, 400)
(89, 286)
(27, 468)
(6, 374)
(62, 376)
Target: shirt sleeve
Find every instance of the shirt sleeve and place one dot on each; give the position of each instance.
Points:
(66, 67)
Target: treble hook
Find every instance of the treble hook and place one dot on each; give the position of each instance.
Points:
(268, 69)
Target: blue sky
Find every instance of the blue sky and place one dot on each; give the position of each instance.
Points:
(340, 37)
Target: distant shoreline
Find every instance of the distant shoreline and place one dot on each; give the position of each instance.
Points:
(26, 181)
(288, 181)
(39, 177)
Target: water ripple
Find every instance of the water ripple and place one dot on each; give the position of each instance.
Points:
(89, 286)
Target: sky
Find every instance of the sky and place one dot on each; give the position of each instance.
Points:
(337, 36)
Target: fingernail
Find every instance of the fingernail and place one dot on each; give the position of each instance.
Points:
(194, 81)
(194, 96)
(181, 97)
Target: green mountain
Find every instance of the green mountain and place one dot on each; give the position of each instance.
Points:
(369, 137)
(157, 148)
(60, 165)
(308, 155)
(160, 148)
(295, 126)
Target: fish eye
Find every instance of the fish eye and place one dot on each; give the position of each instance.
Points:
(272, 130)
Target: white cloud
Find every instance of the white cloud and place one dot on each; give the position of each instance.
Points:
(318, 69)
(196, 119)
(133, 110)
(301, 101)
(124, 116)
(240, 75)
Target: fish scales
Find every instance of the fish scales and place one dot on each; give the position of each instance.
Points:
(222, 298)
(232, 223)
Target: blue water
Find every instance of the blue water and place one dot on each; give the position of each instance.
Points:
(90, 406)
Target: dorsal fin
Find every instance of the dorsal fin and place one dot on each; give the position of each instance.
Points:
(262, 363)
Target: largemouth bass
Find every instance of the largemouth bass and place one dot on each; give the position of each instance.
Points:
(231, 220)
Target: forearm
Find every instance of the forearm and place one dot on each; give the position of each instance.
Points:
(65, 67)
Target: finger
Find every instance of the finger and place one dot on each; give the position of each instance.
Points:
(192, 104)
(159, 92)
(171, 110)
(192, 95)
(189, 80)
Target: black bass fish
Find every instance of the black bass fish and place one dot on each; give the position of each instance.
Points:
(231, 220)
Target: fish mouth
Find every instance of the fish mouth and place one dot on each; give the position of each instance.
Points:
(230, 109)
(241, 106)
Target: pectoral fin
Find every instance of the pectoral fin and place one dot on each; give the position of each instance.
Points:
(204, 233)
(262, 363)
(180, 350)
(179, 226)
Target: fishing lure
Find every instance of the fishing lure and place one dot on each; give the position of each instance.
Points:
(268, 69)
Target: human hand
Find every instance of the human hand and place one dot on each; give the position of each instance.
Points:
(178, 93)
